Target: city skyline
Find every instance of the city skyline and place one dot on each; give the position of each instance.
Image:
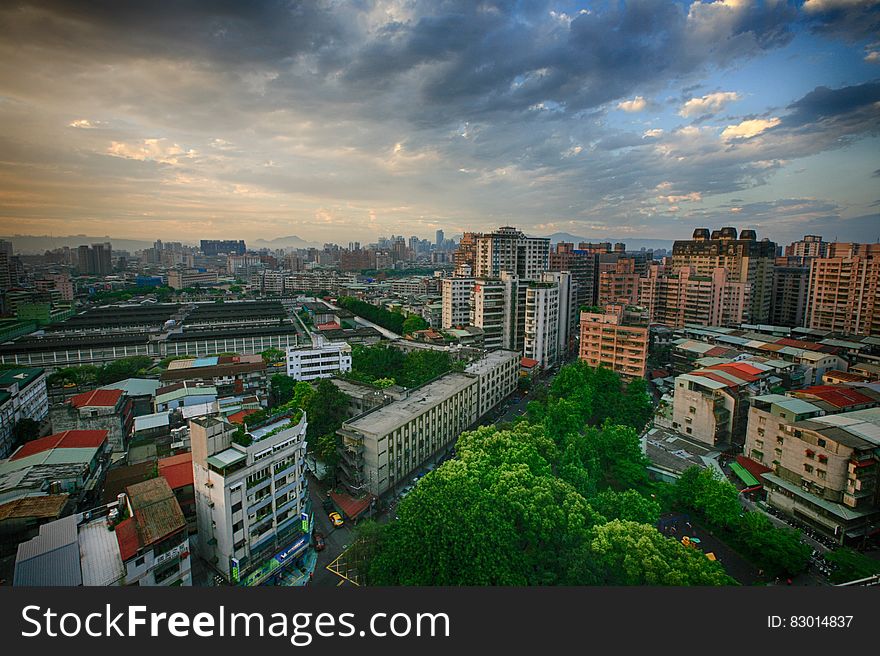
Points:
(327, 119)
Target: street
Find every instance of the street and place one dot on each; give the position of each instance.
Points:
(335, 539)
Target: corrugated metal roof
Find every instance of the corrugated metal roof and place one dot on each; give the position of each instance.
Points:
(60, 567)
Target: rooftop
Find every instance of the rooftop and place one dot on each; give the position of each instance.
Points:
(156, 510)
(177, 470)
(386, 418)
(136, 386)
(43, 507)
(99, 398)
(71, 439)
(22, 377)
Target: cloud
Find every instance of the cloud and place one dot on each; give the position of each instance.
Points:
(86, 124)
(851, 20)
(749, 128)
(157, 150)
(873, 57)
(637, 104)
(708, 104)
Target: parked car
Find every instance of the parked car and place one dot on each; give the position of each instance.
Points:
(319, 542)
(336, 518)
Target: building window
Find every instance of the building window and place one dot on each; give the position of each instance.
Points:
(822, 442)
(808, 469)
(139, 562)
(236, 506)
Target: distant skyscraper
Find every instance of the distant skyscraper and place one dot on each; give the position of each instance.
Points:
(211, 247)
(438, 239)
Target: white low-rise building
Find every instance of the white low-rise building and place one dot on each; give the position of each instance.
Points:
(322, 360)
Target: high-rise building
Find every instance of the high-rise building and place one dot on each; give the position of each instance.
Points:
(568, 308)
(465, 256)
(96, 261)
(212, 247)
(745, 259)
(250, 500)
(541, 339)
(791, 277)
(508, 249)
(584, 267)
(844, 291)
(809, 246)
(675, 299)
(614, 340)
(439, 238)
(8, 272)
(456, 300)
(619, 285)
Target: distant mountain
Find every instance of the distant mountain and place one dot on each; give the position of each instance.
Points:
(39, 244)
(631, 244)
(291, 241)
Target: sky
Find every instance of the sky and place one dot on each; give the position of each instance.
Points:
(341, 121)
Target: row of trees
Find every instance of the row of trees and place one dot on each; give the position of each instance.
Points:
(384, 365)
(396, 322)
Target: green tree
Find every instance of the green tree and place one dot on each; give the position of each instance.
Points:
(412, 323)
(327, 408)
(281, 389)
(273, 355)
(850, 565)
(117, 370)
(627, 553)
(627, 505)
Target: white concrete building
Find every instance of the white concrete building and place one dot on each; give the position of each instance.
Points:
(542, 323)
(250, 500)
(456, 293)
(383, 447)
(322, 360)
(23, 395)
(498, 372)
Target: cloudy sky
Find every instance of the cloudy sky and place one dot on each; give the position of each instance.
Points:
(338, 120)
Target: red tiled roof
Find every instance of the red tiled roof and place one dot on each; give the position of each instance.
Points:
(350, 506)
(809, 346)
(177, 470)
(127, 537)
(71, 439)
(716, 351)
(845, 376)
(836, 395)
(238, 417)
(96, 398)
(330, 325)
(754, 468)
(528, 363)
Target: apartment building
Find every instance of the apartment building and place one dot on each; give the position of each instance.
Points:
(383, 447)
(497, 373)
(621, 284)
(809, 246)
(251, 501)
(140, 539)
(23, 395)
(508, 249)
(456, 301)
(844, 291)
(682, 297)
(744, 259)
(541, 339)
(824, 465)
(583, 264)
(614, 340)
(710, 405)
(791, 277)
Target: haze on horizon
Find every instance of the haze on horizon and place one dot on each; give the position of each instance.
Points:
(339, 121)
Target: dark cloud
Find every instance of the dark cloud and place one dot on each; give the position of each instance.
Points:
(848, 20)
(823, 103)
